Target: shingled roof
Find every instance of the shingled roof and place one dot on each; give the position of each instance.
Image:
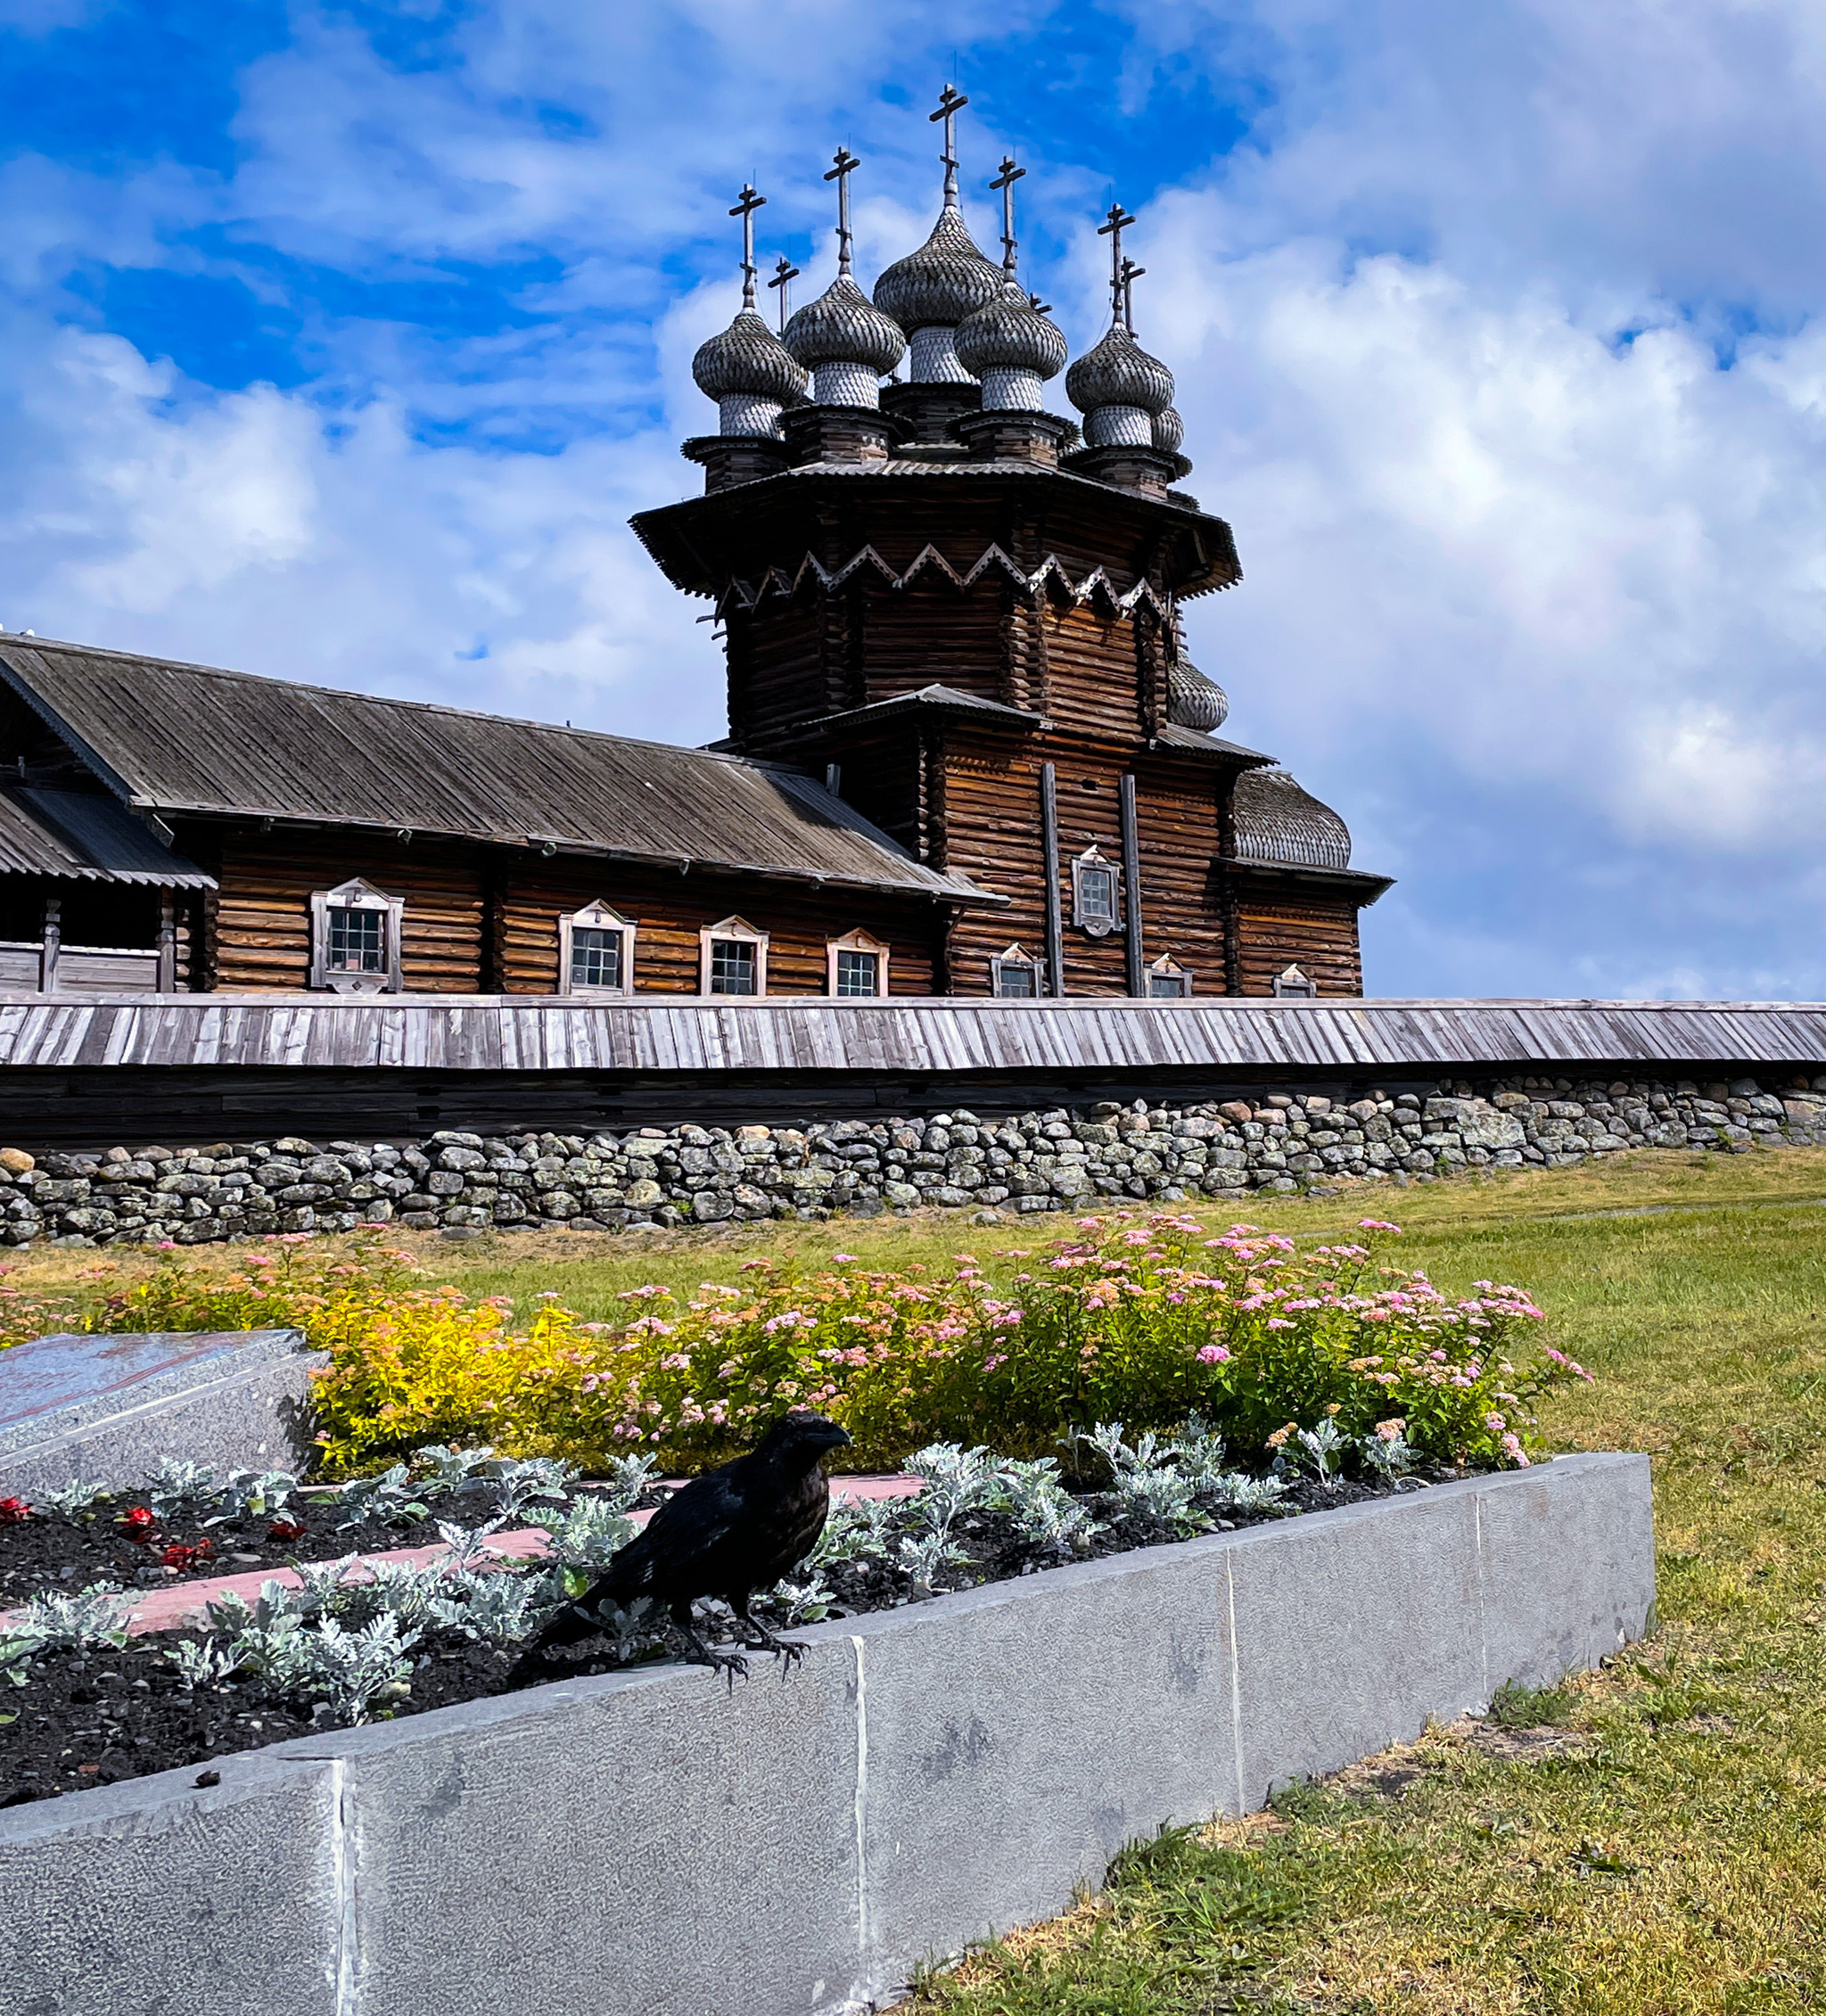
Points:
(173, 738)
(86, 837)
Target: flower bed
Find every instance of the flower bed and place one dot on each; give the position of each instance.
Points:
(357, 1641)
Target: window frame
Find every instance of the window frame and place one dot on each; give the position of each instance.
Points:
(1294, 984)
(1016, 956)
(1167, 968)
(857, 940)
(357, 895)
(597, 916)
(1099, 926)
(738, 928)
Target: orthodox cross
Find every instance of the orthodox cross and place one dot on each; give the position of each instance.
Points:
(783, 273)
(951, 103)
(1005, 182)
(746, 204)
(1119, 222)
(847, 165)
(1130, 272)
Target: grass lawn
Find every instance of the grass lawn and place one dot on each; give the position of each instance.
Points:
(1659, 1845)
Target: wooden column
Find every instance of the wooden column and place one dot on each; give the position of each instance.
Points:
(1050, 849)
(53, 944)
(1132, 890)
(168, 943)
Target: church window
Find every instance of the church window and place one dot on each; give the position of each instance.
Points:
(1167, 980)
(858, 965)
(596, 951)
(1295, 985)
(1095, 895)
(355, 931)
(732, 959)
(1015, 976)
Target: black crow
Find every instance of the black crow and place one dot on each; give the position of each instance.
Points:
(729, 1533)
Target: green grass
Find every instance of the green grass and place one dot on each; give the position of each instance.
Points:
(1648, 1840)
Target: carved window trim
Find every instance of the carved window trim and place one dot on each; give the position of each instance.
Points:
(736, 930)
(1090, 872)
(357, 895)
(1016, 961)
(597, 916)
(1295, 985)
(1168, 980)
(866, 943)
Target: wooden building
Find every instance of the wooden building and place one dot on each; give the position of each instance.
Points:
(967, 753)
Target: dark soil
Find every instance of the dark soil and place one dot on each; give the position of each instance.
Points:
(42, 1553)
(94, 1718)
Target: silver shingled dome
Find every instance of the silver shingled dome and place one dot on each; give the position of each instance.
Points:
(1118, 372)
(1194, 701)
(1169, 432)
(843, 326)
(944, 281)
(748, 359)
(1011, 331)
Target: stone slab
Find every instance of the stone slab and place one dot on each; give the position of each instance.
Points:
(159, 1898)
(108, 1408)
(652, 1844)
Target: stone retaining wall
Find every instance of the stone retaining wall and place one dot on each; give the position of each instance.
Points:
(1054, 1161)
(650, 1843)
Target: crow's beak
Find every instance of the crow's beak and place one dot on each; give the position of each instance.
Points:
(841, 1438)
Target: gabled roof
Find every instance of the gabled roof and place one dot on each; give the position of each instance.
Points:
(929, 699)
(87, 837)
(176, 738)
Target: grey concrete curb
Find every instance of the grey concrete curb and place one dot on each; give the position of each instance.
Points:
(645, 1842)
(248, 1408)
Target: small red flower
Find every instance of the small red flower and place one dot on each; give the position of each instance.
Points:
(181, 1557)
(14, 1511)
(138, 1522)
(285, 1529)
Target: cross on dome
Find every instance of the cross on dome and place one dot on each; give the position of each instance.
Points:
(846, 166)
(1005, 182)
(784, 272)
(951, 103)
(746, 203)
(1119, 221)
(1130, 273)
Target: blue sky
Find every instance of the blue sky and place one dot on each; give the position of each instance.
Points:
(339, 342)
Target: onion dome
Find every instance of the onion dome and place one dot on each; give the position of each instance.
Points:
(1276, 820)
(751, 375)
(846, 342)
(1012, 348)
(1169, 432)
(935, 288)
(1194, 701)
(1119, 388)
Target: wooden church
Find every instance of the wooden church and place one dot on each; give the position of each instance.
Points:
(967, 753)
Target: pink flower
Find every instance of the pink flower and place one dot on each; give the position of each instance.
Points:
(1212, 1354)
(841, 1259)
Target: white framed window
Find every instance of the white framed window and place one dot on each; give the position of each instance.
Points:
(355, 931)
(1167, 980)
(1015, 975)
(732, 959)
(857, 964)
(1292, 985)
(1096, 895)
(596, 951)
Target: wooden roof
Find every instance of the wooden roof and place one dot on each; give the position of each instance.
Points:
(86, 837)
(177, 738)
(1227, 1038)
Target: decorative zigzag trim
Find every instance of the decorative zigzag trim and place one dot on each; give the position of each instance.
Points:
(1096, 584)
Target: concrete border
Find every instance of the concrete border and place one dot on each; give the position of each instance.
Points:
(647, 1842)
(245, 1405)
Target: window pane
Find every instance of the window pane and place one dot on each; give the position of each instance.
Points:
(595, 959)
(1096, 895)
(858, 973)
(1015, 981)
(357, 942)
(1166, 986)
(732, 965)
